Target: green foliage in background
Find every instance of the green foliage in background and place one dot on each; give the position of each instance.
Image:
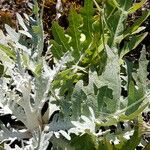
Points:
(83, 90)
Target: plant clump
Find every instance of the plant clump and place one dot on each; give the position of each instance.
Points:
(92, 96)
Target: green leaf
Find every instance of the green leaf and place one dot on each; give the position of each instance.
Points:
(8, 51)
(134, 114)
(84, 142)
(116, 26)
(114, 3)
(129, 70)
(139, 30)
(75, 22)
(134, 96)
(36, 29)
(38, 69)
(132, 93)
(104, 95)
(56, 50)
(136, 40)
(136, 24)
(87, 13)
(132, 44)
(105, 145)
(1, 70)
(25, 59)
(59, 37)
(36, 8)
(65, 81)
(136, 6)
(125, 4)
(134, 140)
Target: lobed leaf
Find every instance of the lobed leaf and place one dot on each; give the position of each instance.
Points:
(75, 22)
(59, 37)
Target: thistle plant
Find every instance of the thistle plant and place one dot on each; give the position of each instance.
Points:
(83, 90)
